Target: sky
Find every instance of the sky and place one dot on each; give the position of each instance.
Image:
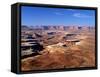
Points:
(32, 16)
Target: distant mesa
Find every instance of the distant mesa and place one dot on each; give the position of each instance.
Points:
(54, 27)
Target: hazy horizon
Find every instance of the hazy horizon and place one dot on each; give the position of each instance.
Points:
(57, 25)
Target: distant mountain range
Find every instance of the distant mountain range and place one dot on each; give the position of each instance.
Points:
(57, 27)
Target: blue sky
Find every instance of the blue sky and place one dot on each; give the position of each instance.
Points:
(32, 16)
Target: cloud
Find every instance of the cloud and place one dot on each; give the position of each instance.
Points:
(79, 15)
(71, 10)
(58, 13)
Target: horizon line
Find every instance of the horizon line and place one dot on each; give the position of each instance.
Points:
(59, 25)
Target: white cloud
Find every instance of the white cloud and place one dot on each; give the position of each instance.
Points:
(79, 15)
(71, 10)
(58, 13)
